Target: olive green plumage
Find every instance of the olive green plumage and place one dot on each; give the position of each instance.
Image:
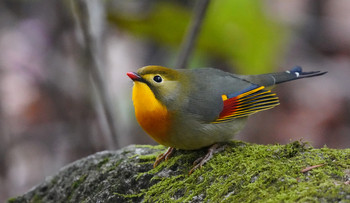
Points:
(195, 100)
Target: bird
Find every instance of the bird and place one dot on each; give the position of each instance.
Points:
(190, 109)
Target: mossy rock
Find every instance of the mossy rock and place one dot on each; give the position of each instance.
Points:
(242, 172)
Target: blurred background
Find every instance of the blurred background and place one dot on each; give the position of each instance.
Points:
(51, 111)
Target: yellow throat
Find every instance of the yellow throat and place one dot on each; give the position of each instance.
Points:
(150, 113)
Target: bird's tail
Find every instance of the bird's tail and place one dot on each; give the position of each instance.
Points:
(271, 79)
(294, 74)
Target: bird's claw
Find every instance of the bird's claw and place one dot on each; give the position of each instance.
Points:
(164, 156)
(198, 163)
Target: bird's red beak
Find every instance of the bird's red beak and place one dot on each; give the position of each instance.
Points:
(134, 76)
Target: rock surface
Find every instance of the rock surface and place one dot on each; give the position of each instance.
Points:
(242, 172)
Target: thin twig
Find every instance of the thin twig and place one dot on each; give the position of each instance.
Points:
(192, 33)
(310, 168)
(92, 63)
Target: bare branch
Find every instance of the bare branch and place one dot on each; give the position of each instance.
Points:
(86, 19)
(192, 33)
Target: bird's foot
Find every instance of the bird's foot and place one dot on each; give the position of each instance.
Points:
(164, 156)
(198, 163)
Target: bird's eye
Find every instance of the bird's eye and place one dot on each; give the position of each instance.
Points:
(157, 79)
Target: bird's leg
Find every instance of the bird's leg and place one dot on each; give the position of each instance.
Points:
(164, 156)
(198, 163)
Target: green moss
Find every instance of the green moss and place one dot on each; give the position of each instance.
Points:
(148, 158)
(37, 199)
(128, 196)
(133, 156)
(103, 162)
(54, 180)
(12, 200)
(113, 167)
(249, 172)
(76, 184)
(157, 147)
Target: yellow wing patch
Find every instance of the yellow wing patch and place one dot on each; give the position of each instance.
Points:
(244, 103)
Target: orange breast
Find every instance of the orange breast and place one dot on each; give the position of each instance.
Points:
(150, 113)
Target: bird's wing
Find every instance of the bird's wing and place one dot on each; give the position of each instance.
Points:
(253, 99)
(219, 96)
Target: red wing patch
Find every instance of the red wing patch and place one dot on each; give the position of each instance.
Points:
(244, 103)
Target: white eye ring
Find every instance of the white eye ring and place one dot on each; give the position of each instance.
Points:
(157, 79)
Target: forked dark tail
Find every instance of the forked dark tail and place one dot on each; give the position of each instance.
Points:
(294, 74)
(271, 79)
